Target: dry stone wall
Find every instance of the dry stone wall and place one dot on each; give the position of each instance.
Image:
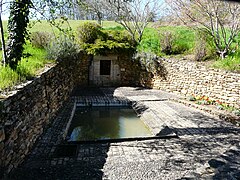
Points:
(132, 73)
(187, 78)
(25, 114)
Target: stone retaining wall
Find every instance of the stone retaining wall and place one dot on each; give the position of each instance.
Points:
(187, 78)
(25, 114)
(134, 73)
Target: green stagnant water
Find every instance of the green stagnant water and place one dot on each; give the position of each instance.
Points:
(106, 123)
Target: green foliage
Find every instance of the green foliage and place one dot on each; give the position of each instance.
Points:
(40, 39)
(116, 28)
(88, 32)
(118, 36)
(182, 40)
(231, 62)
(185, 39)
(150, 41)
(61, 48)
(26, 68)
(204, 47)
(102, 47)
(17, 27)
(8, 77)
(101, 41)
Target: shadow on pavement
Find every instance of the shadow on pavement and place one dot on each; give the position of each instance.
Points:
(87, 164)
(207, 131)
(52, 159)
(227, 165)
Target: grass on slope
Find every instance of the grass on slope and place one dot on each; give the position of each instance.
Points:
(232, 63)
(184, 39)
(43, 25)
(26, 68)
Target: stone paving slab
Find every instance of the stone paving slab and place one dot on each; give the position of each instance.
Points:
(207, 147)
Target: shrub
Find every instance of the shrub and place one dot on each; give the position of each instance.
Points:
(167, 40)
(40, 39)
(118, 36)
(88, 32)
(204, 48)
(185, 40)
(201, 46)
(180, 47)
(175, 41)
(63, 47)
(151, 63)
(200, 51)
(110, 41)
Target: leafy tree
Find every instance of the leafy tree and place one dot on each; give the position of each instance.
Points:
(19, 19)
(17, 27)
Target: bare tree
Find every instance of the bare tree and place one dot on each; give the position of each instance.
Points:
(133, 15)
(95, 7)
(220, 19)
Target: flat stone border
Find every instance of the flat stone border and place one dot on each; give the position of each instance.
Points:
(70, 120)
(148, 117)
(222, 114)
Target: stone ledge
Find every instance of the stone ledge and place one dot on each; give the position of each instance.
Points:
(222, 114)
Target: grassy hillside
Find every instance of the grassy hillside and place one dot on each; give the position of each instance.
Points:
(45, 26)
(184, 43)
(184, 39)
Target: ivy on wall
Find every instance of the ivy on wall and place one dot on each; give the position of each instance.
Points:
(17, 27)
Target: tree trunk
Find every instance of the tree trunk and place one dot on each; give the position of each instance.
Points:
(99, 16)
(3, 43)
(222, 54)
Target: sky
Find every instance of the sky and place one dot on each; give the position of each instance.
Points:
(5, 11)
(5, 16)
(5, 8)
